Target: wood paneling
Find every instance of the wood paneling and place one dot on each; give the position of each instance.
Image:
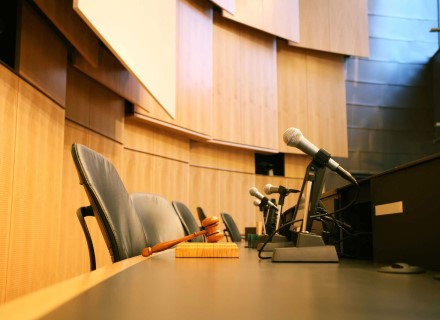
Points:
(94, 106)
(194, 66)
(226, 95)
(339, 26)
(326, 103)
(112, 74)
(220, 179)
(153, 140)
(75, 260)
(348, 21)
(277, 17)
(42, 55)
(244, 85)
(220, 157)
(312, 98)
(36, 193)
(66, 20)
(155, 161)
(8, 123)
(292, 91)
(204, 190)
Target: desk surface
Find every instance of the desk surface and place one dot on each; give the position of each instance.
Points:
(163, 287)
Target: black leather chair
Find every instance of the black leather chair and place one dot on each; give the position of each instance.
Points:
(231, 230)
(201, 214)
(128, 222)
(158, 217)
(110, 204)
(188, 221)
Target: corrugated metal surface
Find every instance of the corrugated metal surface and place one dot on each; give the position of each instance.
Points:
(390, 112)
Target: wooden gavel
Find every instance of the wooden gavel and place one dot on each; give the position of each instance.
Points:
(210, 229)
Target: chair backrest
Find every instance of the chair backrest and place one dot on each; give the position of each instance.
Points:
(111, 203)
(231, 227)
(201, 214)
(188, 221)
(158, 217)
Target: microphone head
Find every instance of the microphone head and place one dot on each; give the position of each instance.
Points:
(253, 191)
(257, 202)
(292, 137)
(267, 188)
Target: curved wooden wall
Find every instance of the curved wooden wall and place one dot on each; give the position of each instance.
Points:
(238, 90)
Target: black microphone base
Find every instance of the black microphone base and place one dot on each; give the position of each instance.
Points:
(305, 254)
(277, 241)
(309, 248)
(271, 246)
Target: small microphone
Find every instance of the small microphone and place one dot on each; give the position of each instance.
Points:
(269, 189)
(254, 192)
(293, 137)
(257, 202)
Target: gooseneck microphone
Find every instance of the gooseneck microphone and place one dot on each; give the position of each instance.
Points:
(254, 192)
(293, 137)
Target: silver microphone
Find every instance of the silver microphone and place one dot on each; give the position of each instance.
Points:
(293, 137)
(269, 189)
(254, 192)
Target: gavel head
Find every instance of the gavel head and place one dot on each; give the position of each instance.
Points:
(213, 233)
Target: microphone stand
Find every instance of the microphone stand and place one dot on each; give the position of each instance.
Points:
(309, 247)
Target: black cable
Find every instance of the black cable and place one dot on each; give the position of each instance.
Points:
(319, 215)
(272, 235)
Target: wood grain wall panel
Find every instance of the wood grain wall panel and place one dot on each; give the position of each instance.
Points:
(334, 26)
(94, 106)
(138, 171)
(73, 256)
(78, 97)
(348, 22)
(244, 85)
(204, 190)
(313, 98)
(138, 136)
(106, 112)
(326, 103)
(66, 20)
(226, 70)
(204, 155)
(234, 197)
(171, 179)
(145, 138)
(36, 193)
(258, 91)
(221, 157)
(295, 165)
(292, 92)
(8, 123)
(314, 24)
(194, 66)
(112, 74)
(234, 159)
(44, 67)
(276, 17)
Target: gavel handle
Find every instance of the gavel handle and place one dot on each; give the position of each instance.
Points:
(146, 252)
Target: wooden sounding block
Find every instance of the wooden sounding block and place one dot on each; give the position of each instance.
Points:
(206, 250)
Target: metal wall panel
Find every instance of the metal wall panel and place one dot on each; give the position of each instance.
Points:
(390, 113)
